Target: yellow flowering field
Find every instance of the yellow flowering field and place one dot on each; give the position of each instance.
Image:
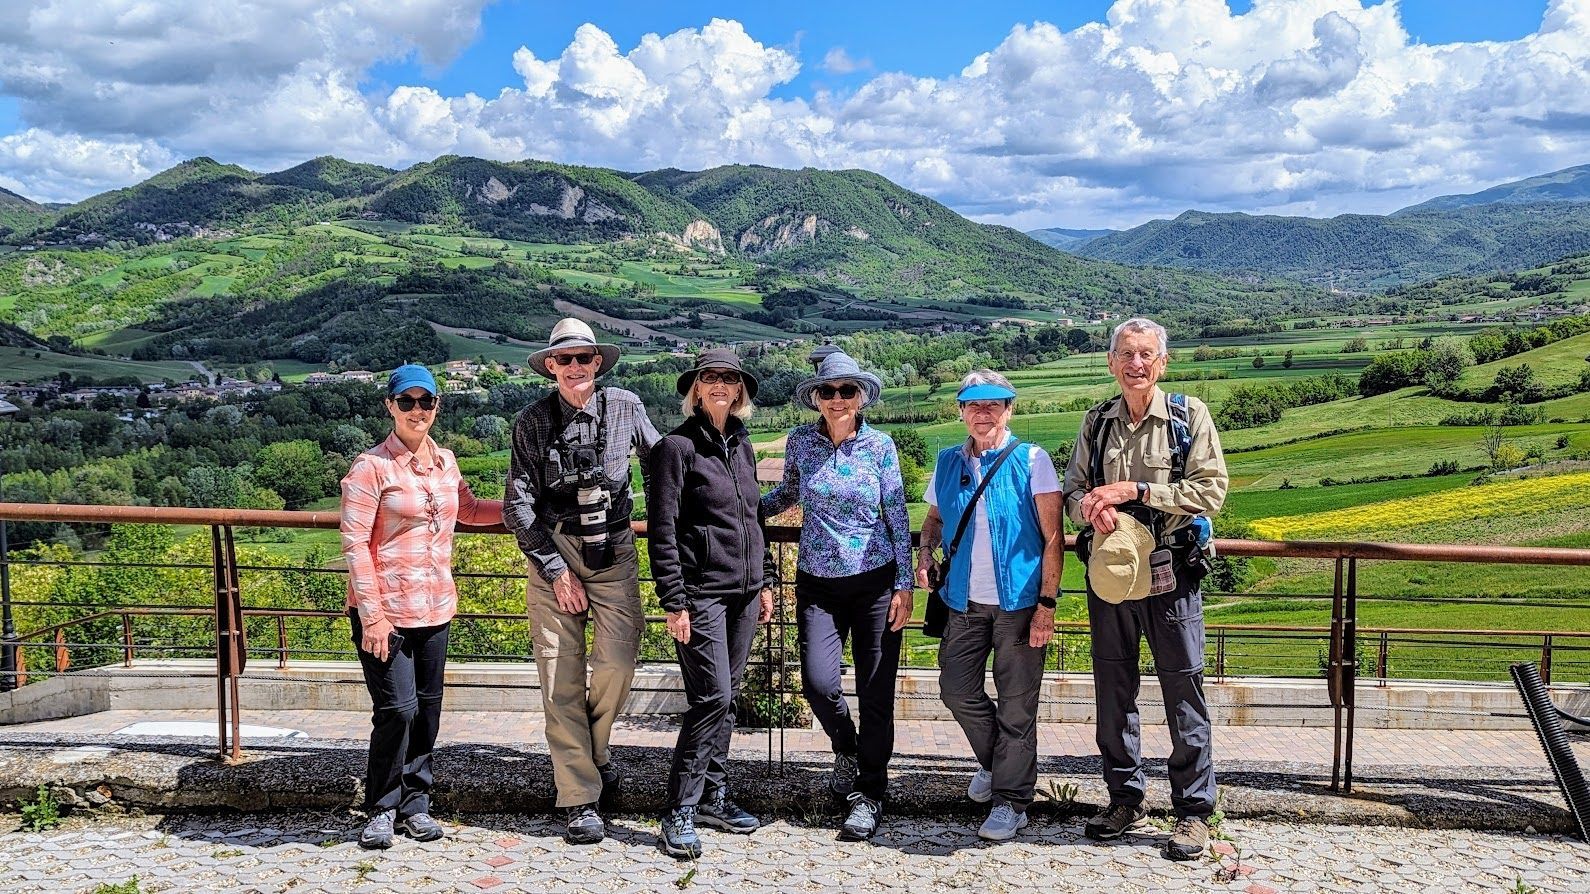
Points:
(1531, 496)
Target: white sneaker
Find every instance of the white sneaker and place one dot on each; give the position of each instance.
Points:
(981, 788)
(1002, 823)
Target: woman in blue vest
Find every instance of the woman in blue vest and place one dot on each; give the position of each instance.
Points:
(1000, 588)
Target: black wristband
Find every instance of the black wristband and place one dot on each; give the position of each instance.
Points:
(1047, 602)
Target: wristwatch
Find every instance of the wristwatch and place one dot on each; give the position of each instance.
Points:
(1142, 491)
(1047, 602)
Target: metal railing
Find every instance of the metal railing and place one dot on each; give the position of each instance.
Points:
(1232, 648)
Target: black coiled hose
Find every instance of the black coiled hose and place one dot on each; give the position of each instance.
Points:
(1554, 739)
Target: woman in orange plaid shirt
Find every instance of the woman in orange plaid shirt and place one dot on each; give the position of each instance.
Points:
(400, 500)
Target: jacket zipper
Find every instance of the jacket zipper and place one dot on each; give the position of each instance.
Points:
(739, 501)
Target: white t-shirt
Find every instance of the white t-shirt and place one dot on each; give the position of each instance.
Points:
(1042, 479)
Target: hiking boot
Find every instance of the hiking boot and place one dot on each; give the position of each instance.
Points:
(981, 788)
(1002, 823)
(863, 819)
(583, 825)
(421, 827)
(612, 783)
(679, 839)
(843, 782)
(1115, 821)
(721, 813)
(377, 834)
(1188, 840)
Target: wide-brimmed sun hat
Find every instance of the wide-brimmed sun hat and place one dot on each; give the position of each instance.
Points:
(839, 367)
(1118, 565)
(716, 358)
(571, 332)
(410, 375)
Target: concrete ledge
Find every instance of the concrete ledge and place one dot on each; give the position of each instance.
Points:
(152, 774)
(338, 686)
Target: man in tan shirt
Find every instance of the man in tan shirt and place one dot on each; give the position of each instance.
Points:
(1129, 457)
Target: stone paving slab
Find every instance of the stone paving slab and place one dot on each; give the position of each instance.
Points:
(316, 852)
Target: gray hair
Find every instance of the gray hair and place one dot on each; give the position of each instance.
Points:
(742, 406)
(1144, 325)
(987, 377)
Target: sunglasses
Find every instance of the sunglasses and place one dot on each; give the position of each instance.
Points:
(984, 406)
(582, 359)
(713, 377)
(827, 392)
(406, 403)
(433, 513)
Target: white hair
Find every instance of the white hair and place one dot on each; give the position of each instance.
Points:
(742, 406)
(987, 377)
(1144, 325)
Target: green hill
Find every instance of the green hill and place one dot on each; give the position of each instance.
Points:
(20, 213)
(331, 176)
(1358, 251)
(1566, 185)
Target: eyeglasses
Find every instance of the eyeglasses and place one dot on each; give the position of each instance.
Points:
(583, 359)
(433, 511)
(1144, 356)
(827, 392)
(713, 377)
(983, 406)
(406, 403)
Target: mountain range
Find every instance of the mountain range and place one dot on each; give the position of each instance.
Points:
(1507, 227)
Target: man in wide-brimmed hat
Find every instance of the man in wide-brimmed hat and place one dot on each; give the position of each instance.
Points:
(1146, 474)
(568, 502)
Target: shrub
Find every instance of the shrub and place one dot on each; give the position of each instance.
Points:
(42, 813)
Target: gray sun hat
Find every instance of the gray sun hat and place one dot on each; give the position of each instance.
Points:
(839, 367)
(571, 332)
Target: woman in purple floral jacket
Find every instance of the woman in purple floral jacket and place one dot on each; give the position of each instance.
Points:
(853, 580)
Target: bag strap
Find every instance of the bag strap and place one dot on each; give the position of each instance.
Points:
(1180, 438)
(971, 507)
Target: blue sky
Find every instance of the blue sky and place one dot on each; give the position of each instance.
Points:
(1080, 113)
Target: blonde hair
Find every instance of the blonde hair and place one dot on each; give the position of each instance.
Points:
(742, 408)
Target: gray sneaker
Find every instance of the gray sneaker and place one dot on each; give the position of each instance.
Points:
(584, 825)
(863, 818)
(420, 827)
(1002, 823)
(843, 782)
(981, 788)
(377, 834)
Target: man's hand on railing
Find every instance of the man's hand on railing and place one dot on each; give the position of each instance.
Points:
(679, 625)
(569, 591)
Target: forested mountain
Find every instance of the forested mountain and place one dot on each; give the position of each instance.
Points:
(1067, 240)
(849, 230)
(1566, 185)
(1357, 251)
(20, 213)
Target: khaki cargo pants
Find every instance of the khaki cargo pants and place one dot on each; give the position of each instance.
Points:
(579, 716)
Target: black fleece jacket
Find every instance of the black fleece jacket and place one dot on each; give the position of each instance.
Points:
(701, 514)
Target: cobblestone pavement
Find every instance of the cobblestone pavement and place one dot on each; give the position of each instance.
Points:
(317, 853)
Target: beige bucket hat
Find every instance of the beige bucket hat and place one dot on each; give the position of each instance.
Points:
(1118, 566)
(571, 332)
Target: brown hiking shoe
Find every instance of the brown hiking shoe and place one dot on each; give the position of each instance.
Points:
(1188, 840)
(1115, 821)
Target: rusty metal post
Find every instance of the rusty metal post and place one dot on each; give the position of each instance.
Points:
(235, 640)
(1545, 659)
(10, 649)
(1333, 679)
(1385, 657)
(126, 640)
(220, 640)
(281, 642)
(1220, 654)
(1350, 669)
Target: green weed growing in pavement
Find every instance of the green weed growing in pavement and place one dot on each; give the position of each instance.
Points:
(1522, 887)
(42, 813)
(130, 886)
(165, 841)
(1063, 794)
(364, 869)
(329, 842)
(684, 881)
(1234, 871)
(228, 853)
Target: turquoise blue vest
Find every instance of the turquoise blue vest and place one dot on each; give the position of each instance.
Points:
(1012, 522)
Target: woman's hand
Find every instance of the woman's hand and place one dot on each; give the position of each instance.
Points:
(924, 566)
(376, 637)
(765, 613)
(900, 608)
(679, 625)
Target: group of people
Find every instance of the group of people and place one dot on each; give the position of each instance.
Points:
(1144, 477)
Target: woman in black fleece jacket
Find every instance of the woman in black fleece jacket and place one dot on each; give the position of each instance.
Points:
(707, 556)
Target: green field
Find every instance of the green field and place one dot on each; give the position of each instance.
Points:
(21, 364)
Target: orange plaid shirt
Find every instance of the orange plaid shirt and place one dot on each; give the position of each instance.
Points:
(397, 533)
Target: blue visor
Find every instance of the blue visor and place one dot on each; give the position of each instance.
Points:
(408, 376)
(985, 392)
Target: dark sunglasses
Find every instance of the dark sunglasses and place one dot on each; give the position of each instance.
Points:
(582, 359)
(827, 392)
(406, 403)
(712, 377)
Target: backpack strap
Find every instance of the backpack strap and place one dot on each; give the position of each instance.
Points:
(1096, 436)
(1180, 435)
